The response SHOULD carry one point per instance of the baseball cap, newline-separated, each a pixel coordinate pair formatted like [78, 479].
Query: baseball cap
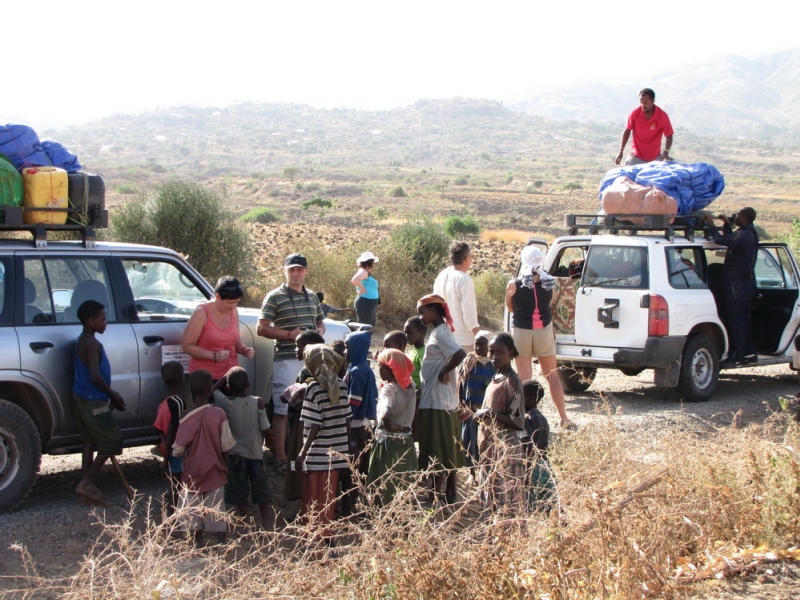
[296, 260]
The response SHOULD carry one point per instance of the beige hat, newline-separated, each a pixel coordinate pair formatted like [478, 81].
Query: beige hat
[365, 256]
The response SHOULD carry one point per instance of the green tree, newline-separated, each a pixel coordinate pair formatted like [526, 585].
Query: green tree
[290, 173]
[192, 220]
[571, 187]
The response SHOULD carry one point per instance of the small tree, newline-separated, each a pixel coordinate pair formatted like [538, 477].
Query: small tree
[571, 187]
[290, 173]
[192, 220]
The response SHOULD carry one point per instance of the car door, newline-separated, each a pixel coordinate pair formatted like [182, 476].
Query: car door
[608, 304]
[48, 332]
[162, 295]
[9, 357]
[775, 306]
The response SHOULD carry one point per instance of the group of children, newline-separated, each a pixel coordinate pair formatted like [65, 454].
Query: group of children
[461, 409]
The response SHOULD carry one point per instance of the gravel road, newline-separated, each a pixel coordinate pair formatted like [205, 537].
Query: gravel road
[58, 531]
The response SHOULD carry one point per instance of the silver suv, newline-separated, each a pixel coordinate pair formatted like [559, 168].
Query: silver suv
[149, 293]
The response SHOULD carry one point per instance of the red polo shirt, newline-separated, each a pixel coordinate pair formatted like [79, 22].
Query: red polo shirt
[647, 134]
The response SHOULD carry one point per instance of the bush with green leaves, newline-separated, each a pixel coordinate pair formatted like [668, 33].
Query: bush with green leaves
[490, 293]
[320, 202]
[262, 214]
[424, 242]
[397, 192]
[456, 226]
[461, 180]
[190, 219]
[126, 188]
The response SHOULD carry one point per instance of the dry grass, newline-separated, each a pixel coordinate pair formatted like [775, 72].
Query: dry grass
[505, 235]
[642, 515]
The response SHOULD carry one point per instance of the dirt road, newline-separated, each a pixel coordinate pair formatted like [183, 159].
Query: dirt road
[58, 531]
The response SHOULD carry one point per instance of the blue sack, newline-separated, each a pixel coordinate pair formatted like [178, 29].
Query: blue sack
[61, 157]
[21, 145]
[694, 186]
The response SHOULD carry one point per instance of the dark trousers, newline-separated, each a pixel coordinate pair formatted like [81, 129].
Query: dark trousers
[366, 309]
[737, 322]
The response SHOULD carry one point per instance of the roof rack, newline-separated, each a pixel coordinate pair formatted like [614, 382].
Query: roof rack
[669, 225]
[12, 219]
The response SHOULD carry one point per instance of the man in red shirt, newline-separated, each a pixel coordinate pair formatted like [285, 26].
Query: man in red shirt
[648, 123]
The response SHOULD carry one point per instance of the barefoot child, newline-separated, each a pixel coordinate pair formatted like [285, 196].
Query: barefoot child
[326, 434]
[294, 395]
[393, 455]
[94, 400]
[247, 474]
[501, 453]
[542, 490]
[167, 420]
[362, 392]
[439, 422]
[204, 439]
[474, 376]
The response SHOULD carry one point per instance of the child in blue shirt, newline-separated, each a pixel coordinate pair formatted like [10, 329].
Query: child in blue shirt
[474, 376]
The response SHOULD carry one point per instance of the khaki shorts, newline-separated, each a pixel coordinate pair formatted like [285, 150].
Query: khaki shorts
[535, 342]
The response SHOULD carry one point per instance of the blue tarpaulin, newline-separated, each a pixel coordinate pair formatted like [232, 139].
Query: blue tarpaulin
[61, 157]
[694, 186]
[22, 147]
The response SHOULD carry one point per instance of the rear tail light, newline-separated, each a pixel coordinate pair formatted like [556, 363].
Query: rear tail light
[657, 316]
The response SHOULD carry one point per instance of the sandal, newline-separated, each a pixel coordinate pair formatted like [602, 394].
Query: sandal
[280, 467]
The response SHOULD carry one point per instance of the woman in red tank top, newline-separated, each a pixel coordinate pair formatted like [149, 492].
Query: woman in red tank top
[211, 336]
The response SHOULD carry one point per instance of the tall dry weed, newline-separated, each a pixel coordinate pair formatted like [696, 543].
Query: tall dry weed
[642, 515]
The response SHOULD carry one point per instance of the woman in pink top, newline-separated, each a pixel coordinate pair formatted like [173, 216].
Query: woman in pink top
[211, 336]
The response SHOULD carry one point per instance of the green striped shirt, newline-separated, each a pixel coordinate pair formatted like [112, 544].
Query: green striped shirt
[287, 309]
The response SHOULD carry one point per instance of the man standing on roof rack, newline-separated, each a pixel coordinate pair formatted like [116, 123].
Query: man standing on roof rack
[740, 263]
[648, 124]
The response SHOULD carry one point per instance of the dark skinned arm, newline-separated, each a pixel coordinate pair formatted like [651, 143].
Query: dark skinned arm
[489, 415]
[312, 435]
[90, 352]
[455, 360]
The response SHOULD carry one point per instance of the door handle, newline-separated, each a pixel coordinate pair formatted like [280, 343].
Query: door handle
[153, 340]
[41, 346]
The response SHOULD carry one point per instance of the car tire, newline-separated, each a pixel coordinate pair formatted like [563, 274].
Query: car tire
[699, 372]
[20, 455]
[631, 371]
[575, 379]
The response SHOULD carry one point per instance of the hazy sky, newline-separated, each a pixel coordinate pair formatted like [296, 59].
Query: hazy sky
[72, 61]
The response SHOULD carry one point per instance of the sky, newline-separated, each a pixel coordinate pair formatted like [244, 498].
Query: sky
[76, 61]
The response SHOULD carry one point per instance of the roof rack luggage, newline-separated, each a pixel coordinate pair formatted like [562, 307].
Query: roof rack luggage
[669, 225]
[12, 219]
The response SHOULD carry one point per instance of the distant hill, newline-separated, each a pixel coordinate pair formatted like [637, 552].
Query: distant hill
[731, 97]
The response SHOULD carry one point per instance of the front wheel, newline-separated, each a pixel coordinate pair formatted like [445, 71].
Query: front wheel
[575, 379]
[20, 455]
[699, 369]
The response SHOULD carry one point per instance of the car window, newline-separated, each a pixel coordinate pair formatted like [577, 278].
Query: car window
[5, 295]
[569, 262]
[56, 287]
[161, 290]
[616, 266]
[685, 267]
[773, 269]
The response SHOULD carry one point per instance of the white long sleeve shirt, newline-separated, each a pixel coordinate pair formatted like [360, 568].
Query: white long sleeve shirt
[458, 291]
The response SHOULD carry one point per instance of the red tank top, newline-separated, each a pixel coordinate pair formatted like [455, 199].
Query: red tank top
[215, 339]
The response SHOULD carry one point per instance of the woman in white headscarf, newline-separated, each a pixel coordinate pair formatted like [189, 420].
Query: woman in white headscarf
[528, 300]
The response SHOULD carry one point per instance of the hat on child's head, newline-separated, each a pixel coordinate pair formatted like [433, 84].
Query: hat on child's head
[296, 260]
[365, 256]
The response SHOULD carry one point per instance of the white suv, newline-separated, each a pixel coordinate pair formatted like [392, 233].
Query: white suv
[636, 297]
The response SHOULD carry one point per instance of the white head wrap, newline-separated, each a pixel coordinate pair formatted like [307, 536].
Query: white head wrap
[533, 262]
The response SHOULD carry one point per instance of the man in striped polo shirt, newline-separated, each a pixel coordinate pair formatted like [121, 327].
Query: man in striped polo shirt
[287, 310]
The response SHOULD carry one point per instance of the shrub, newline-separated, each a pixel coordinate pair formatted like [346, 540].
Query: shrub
[424, 242]
[380, 212]
[490, 294]
[321, 202]
[274, 193]
[571, 187]
[262, 214]
[397, 192]
[538, 183]
[509, 177]
[192, 220]
[126, 188]
[461, 180]
[312, 187]
[299, 186]
[456, 226]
